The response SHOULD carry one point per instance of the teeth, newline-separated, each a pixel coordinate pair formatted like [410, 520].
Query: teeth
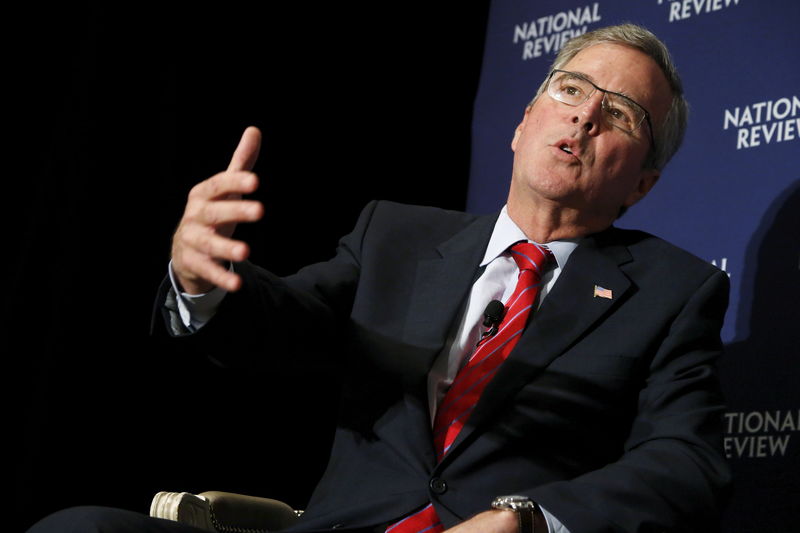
[566, 148]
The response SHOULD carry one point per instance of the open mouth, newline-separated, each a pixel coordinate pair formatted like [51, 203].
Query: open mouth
[565, 148]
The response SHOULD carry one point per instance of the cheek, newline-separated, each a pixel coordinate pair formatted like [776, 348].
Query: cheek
[621, 161]
[525, 152]
[619, 172]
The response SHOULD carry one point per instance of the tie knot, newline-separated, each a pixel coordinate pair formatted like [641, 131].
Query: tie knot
[530, 256]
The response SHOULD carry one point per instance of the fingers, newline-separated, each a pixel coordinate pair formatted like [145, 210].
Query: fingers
[196, 238]
[220, 212]
[246, 153]
[225, 185]
[202, 243]
[198, 253]
[202, 273]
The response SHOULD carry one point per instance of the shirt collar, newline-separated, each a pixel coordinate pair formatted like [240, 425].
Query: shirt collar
[506, 233]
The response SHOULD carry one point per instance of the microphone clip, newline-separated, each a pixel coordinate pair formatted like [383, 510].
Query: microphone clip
[492, 316]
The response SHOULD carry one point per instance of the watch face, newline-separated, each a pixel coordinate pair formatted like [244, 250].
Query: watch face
[514, 502]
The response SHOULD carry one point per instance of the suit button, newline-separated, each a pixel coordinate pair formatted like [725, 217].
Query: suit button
[438, 485]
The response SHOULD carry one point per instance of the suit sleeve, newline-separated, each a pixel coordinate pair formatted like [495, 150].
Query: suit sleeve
[297, 315]
[672, 475]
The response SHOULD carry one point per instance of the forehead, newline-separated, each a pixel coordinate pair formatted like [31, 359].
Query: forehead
[627, 71]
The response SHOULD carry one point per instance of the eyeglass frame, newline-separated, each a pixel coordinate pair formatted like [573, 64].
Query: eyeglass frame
[604, 91]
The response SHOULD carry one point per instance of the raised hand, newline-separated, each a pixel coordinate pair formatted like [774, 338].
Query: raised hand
[202, 244]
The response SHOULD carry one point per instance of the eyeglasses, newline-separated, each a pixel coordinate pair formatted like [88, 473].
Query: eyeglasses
[574, 89]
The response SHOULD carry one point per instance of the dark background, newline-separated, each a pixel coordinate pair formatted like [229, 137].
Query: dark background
[118, 115]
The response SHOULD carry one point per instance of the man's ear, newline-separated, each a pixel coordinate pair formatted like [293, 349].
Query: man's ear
[520, 127]
[647, 180]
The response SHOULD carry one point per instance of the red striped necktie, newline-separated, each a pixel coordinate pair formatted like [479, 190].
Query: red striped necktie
[453, 413]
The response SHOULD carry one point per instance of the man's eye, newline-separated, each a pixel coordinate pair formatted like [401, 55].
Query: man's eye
[618, 115]
[571, 90]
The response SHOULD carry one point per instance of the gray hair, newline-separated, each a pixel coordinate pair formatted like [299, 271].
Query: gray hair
[669, 134]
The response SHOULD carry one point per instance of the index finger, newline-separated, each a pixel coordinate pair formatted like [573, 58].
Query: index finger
[246, 153]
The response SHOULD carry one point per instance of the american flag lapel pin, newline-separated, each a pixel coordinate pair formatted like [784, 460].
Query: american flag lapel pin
[601, 292]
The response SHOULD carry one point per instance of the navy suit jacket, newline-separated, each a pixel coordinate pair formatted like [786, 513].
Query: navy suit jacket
[607, 412]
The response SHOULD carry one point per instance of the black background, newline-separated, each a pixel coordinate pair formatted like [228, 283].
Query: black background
[118, 115]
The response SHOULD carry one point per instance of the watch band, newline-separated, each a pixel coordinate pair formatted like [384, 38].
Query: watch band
[526, 520]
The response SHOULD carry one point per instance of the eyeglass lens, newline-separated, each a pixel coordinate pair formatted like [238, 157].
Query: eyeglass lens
[574, 90]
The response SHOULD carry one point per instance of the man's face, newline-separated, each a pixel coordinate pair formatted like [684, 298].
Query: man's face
[605, 169]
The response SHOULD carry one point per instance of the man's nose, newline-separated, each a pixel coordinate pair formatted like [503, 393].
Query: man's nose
[590, 113]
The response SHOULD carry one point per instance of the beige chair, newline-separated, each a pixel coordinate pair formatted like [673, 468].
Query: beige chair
[224, 512]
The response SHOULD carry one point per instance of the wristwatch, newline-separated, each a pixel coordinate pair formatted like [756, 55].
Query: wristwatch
[531, 519]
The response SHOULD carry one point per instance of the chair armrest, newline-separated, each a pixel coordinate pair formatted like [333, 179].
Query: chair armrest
[223, 512]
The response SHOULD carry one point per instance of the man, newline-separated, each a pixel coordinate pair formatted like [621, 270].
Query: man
[605, 416]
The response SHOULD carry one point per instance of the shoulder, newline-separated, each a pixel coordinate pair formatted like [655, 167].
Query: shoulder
[652, 258]
[422, 214]
[398, 221]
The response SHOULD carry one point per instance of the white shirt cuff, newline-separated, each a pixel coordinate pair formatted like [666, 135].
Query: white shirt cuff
[553, 524]
[196, 309]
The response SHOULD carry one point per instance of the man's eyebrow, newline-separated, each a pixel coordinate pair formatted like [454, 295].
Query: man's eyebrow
[591, 79]
[585, 75]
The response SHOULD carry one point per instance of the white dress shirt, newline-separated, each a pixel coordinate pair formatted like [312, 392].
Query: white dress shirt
[497, 282]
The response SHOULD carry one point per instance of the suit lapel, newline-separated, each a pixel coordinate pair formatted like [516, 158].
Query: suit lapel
[442, 284]
[570, 309]
[440, 287]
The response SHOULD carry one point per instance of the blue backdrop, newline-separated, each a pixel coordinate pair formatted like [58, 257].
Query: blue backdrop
[731, 196]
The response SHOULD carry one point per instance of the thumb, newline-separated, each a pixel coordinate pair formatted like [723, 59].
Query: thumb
[246, 153]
